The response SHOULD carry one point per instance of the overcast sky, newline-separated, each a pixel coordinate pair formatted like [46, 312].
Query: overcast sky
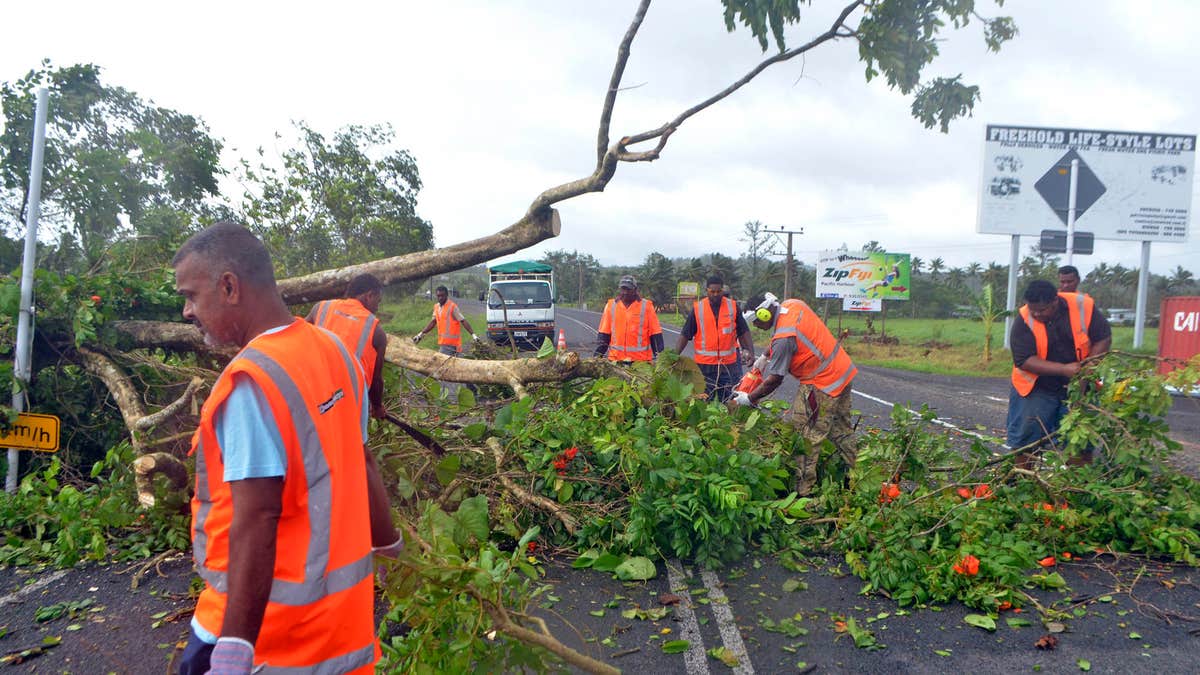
[499, 100]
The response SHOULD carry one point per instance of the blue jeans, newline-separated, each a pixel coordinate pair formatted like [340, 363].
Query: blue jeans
[1032, 417]
[720, 379]
[195, 659]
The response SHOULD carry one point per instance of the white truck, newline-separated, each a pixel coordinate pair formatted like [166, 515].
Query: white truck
[520, 301]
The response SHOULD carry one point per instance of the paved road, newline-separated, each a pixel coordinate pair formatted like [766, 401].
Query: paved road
[120, 630]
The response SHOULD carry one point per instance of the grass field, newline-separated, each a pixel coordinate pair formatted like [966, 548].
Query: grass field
[942, 346]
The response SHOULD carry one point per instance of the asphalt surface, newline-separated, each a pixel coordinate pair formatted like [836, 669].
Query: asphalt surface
[107, 625]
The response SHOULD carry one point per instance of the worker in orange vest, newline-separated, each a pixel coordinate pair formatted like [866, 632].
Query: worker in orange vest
[449, 321]
[1053, 335]
[629, 328]
[802, 345]
[289, 507]
[718, 329]
[353, 320]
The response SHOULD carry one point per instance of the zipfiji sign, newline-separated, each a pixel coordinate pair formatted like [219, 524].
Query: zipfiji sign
[863, 275]
[1134, 186]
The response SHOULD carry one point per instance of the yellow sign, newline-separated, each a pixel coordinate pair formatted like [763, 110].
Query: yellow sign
[32, 431]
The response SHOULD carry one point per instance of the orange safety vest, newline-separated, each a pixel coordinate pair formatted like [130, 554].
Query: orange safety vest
[630, 339]
[449, 328]
[716, 343]
[355, 325]
[822, 362]
[1079, 309]
[320, 616]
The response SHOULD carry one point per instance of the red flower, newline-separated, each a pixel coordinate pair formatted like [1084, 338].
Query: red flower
[1004, 605]
[96, 299]
[1048, 561]
[888, 492]
[532, 546]
[968, 566]
[983, 491]
[570, 453]
[560, 463]
[1066, 555]
[965, 493]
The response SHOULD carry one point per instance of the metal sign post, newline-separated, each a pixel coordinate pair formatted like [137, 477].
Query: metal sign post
[1139, 322]
[1010, 302]
[22, 368]
[1072, 201]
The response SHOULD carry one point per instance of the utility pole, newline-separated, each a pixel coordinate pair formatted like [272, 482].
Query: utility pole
[787, 270]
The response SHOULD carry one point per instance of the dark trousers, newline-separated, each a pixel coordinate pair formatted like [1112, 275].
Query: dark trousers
[720, 379]
[195, 656]
[1032, 417]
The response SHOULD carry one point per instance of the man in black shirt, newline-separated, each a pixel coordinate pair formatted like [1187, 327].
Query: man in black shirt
[1054, 333]
[715, 351]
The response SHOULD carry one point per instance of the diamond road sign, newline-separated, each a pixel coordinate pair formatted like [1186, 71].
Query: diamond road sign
[1055, 187]
[1132, 186]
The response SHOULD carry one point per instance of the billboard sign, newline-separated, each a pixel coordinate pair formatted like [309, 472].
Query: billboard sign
[863, 275]
[1131, 186]
[852, 305]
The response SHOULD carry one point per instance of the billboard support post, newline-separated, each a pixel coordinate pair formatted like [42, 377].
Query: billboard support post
[1010, 302]
[1072, 202]
[1139, 321]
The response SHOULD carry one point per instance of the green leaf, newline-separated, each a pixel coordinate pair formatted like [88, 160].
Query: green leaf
[1134, 635]
[586, 559]
[597, 612]
[1105, 598]
[980, 621]
[566, 492]
[546, 350]
[476, 431]
[676, 646]
[472, 517]
[794, 585]
[466, 397]
[1084, 665]
[724, 655]
[752, 420]
[636, 568]
[1017, 622]
[448, 468]
[942, 652]
[607, 562]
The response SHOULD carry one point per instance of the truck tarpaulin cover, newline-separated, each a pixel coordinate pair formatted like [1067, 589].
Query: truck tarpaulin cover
[521, 266]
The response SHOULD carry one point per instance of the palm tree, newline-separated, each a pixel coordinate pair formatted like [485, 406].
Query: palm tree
[917, 264]
[957, 276]
[936, 266]
[1180, 278]
[974, 269]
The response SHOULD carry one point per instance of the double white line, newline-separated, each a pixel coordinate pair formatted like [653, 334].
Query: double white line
[695, 659]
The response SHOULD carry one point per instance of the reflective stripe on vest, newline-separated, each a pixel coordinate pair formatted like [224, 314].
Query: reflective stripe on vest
[317, 584]
[638, 346]
[702, 309]
[336, 666]
[827, 361]
[1079, 314]
[449, 328]
[354, 325]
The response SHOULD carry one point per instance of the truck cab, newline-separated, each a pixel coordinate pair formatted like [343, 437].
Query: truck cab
[520, 301]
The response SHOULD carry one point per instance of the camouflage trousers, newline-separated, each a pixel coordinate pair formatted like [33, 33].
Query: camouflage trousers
[821, 417]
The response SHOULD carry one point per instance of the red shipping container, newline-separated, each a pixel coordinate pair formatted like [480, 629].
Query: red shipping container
[1178, 330]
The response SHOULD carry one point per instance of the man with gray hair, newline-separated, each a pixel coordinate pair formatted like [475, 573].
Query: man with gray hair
[289, 506]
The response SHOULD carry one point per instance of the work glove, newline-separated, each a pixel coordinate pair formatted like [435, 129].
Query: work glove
[474, 337]
[231, 656]
[742, 398]
[417, 338]
[391, 551]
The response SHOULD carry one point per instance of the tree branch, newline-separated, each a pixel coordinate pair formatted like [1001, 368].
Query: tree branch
[614, 82]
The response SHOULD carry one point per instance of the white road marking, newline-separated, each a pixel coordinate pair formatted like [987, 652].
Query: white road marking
[889, 404]
[695, 659]
[995, 398]
[730, 635]
[19, 595]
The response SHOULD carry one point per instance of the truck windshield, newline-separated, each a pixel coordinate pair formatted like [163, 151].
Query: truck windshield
[529, 294]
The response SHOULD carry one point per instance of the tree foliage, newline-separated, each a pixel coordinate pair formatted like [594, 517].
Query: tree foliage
[108, 152]
[336, 201]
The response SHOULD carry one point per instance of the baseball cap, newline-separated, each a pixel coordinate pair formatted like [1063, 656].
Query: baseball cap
[627, 281]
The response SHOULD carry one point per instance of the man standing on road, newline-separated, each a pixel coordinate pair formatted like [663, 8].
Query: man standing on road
[288, 502]
[1068, 279]
[719, 329]
[803, 346]
[450, 322]
[629, 328]
[1055, 333]
[353, 320]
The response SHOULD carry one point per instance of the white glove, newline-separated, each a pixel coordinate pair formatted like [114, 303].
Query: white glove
[417, 338]
[474, 337]
[742, 398]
